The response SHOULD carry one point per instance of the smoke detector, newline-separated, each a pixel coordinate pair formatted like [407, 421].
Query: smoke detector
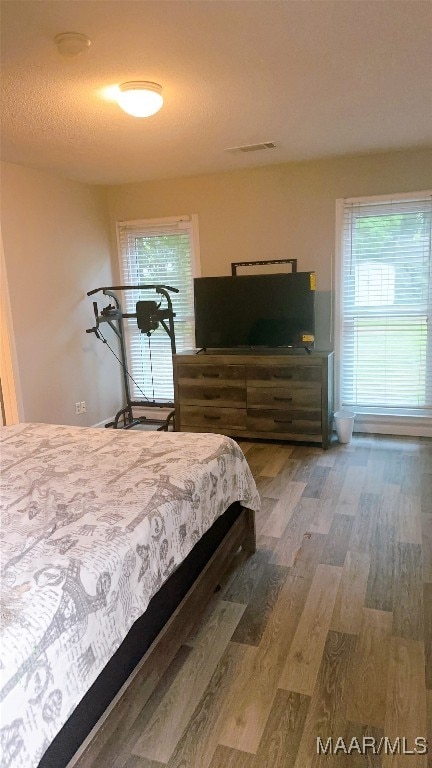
[72, 44]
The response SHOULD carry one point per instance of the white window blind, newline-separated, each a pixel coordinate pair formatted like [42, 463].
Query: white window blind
[386, 344]
[156, 254]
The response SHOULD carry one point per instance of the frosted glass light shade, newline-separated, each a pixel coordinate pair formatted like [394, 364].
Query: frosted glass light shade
[140, 99]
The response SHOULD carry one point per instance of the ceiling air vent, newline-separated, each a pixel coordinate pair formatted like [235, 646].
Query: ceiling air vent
[253, 147]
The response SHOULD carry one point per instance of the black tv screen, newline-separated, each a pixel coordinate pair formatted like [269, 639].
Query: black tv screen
[275, 310]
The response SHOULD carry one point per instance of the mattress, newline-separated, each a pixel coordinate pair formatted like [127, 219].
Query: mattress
[93, 523]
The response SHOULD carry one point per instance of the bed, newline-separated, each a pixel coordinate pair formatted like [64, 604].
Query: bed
[104, 535]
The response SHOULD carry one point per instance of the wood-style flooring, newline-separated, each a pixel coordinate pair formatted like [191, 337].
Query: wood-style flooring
[325, 631]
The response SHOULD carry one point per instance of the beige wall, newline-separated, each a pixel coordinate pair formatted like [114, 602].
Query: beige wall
[279, 211]
[56, 246]
[59, 241]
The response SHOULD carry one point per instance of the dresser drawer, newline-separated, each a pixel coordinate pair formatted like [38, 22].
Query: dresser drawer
[212, 416]
[274, 395]
[302, 375]
[221, 394]
[292, 421]
[210, 373]
[284, 398]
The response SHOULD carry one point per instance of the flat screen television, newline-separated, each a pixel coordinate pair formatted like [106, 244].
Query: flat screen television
[273, 310]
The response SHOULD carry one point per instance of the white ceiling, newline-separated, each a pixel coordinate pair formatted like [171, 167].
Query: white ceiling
[317, 77]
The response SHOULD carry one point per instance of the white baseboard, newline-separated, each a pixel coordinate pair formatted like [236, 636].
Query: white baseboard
[410, 426]
[102, 423]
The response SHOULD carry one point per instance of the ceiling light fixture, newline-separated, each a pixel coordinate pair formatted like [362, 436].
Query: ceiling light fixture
[140, 98]
[72, 44]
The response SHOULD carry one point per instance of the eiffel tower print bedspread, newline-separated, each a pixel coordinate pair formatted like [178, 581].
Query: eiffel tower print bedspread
[93, 523]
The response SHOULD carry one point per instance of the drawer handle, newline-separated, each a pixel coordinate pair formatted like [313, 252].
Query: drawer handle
[211, 375]
[211, 397]
[211, 418]
[282, 375]
[282, 421]
[283, 399]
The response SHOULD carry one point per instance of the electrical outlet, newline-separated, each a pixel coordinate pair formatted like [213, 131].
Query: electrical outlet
[77, 408]
[83, 406]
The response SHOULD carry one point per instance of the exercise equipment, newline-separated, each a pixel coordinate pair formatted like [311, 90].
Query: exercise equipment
[150, 315]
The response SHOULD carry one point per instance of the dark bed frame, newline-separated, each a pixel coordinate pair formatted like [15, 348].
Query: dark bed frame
[152, 642]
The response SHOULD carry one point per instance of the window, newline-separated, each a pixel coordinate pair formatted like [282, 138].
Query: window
[386, 306]
[157, 252]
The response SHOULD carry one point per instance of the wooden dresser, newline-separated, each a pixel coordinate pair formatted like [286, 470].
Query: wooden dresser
[279, 396]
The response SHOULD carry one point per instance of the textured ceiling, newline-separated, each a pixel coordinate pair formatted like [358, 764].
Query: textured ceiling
[318, 78]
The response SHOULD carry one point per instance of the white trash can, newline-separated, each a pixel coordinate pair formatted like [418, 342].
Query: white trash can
[344, 422]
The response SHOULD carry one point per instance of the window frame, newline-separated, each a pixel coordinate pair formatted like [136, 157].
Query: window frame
[195, 245]
[191, 219]
[373, 420]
